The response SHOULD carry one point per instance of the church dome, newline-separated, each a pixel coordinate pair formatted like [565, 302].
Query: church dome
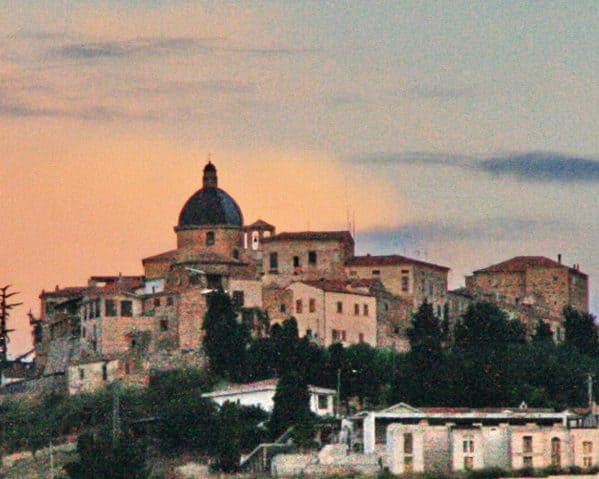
[210, 205]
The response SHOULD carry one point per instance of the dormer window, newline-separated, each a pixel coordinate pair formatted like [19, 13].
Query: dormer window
[210, 238]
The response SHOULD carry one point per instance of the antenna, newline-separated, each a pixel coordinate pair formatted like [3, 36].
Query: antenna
[354, 223]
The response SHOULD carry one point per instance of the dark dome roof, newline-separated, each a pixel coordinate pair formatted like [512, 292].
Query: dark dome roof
[210, 206]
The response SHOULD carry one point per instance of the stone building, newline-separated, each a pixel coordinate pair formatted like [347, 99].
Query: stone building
[154, 321]
[528, 288]
[445, 439]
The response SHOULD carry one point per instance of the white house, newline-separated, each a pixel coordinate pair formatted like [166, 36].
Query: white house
[261, 393]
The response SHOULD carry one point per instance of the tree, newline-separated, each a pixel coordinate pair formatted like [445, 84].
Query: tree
[425, 334]
[291, 404]
[486, 326]
[543, 332]
[581, 331]
[226, 339]
[228, 441]
[186, 424]
[102, 456]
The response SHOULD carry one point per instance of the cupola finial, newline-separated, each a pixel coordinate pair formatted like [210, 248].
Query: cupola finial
[210, 179]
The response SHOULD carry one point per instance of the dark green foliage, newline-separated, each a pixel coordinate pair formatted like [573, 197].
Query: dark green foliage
[425, 334]
[581, 331]
[225, 340]
[184, 423]
[486, 327]
[291, 404]
[542, 332]
[103, 457]
[228, 440]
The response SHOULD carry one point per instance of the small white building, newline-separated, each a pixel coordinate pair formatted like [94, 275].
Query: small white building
[261, 393]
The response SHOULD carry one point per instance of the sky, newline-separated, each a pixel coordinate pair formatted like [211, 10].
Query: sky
[462, 133]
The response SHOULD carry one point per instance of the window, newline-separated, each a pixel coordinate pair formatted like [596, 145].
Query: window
[365, 310]
[361, 337]
[556, 452]
[126, 308]
[323, 401]
[527, 444]
[81, 374]
[169, 301]
[408, 464]
[587, 447]
[235, 253]
[376, 272]
[339, 335]
[98, 307]
[274, 261]
[339, 307]
[83, 332]
[439, 311]
[299, 306]
[587, 462]
[210, 238]
[308, 333]
[238, 299]
[312, 257]
[164, 325]
[405, 280]
[312, 305]
[468, 462]
[296, 262]
[468, 445]
[156, 301]
[282, 308]
[353, 273]
[356, 309]
[527, 462]
[214, 281]
[104, 372]
[408, 443]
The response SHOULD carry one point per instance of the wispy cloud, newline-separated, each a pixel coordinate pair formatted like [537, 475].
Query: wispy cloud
[531, 166]
[502, 229]
[438, 92]
[165, 46]
[538, 166]
[88, 113]
[194, 87]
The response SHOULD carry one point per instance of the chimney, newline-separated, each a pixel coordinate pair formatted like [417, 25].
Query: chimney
[559, 258]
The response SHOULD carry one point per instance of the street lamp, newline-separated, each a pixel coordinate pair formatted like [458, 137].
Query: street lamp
[353, 371]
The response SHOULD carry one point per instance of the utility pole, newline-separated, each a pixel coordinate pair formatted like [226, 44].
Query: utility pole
[590, 391]
[5, 308]
[116, 413]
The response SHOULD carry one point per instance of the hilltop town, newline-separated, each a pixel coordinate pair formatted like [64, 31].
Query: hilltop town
[307, 300]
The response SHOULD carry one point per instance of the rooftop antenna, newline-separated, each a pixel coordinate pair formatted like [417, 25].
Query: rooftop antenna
[354, 223]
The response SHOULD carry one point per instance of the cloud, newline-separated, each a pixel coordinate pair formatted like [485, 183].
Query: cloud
[88, 113]
[531, 166]
[412, 158]
[186, 87]
[539, 166]
[133, 47]
[497, 229]
[437, 92]
[148, 46]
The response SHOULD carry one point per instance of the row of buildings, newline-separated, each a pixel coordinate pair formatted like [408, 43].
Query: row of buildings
[126, 326]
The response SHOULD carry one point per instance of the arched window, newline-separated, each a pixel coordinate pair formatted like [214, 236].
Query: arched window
[210, 238]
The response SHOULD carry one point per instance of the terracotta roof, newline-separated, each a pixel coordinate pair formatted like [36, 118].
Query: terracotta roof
[390, 260]
[161, 256]
[520, 264]
[312, 236]
[260, 224]
[333, 287]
